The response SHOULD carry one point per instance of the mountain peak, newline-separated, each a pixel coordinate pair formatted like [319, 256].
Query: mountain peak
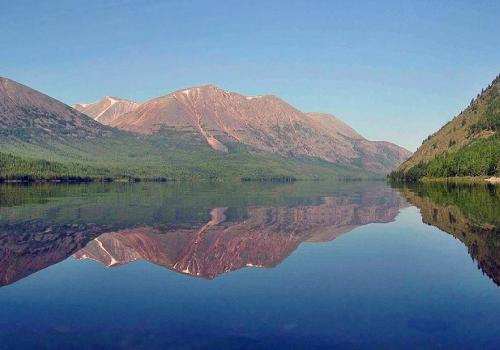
[266, 123]
[107, 109]
[200, 89]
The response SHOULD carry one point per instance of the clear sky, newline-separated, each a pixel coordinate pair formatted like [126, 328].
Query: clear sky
[394, 70]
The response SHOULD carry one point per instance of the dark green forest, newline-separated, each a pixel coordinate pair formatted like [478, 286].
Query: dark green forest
[159, 158]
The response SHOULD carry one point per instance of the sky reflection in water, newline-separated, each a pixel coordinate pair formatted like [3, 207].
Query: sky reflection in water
[248, 266]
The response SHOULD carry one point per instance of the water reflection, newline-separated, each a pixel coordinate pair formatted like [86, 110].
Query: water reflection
[471, 213]
[263, 238]
[182, 234]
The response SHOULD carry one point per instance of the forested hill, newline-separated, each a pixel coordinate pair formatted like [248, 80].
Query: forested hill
[468, 145]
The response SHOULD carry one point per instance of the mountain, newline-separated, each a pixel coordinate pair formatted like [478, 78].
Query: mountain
[26, 113]
[106, 110]
[198, 133]
[265, 123]
[44, 139]
[468, 145]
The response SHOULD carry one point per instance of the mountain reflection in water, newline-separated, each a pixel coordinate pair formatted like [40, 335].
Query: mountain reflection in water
[205, 232]
[471, 213]
[33, 237]
[263, 239]
[249, 266]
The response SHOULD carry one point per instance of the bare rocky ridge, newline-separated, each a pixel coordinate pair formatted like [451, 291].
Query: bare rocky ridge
[266, 123]
[107, 110]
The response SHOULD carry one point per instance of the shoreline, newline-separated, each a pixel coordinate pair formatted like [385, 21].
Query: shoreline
[91, 180]
[495, 180]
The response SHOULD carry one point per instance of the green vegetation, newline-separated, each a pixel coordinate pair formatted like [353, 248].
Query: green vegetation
[131, 204]
[469, 145]
[479, 158]
[491, 117]
[479, 203]
[164, 157]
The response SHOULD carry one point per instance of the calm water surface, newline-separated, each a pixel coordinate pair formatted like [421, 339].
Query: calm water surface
[249, 266]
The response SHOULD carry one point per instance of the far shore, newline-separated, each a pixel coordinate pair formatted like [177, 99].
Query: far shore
[464, 179]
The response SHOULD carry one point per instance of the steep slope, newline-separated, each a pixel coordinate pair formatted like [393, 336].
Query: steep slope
[266, 123]
[26, 113]
[106, 110]
[468, 145]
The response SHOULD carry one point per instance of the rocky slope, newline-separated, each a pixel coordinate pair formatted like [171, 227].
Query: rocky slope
[107, 110]
[266, 123]
[26, 113]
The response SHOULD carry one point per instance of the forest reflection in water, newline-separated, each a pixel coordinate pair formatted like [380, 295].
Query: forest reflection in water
[469, 212]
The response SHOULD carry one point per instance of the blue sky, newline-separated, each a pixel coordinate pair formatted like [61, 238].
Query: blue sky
[394, 70]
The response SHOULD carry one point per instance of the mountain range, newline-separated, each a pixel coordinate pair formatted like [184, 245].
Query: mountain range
[266, 123]
[203, 131]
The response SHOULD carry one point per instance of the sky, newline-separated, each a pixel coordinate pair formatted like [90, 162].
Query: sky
[393, 70]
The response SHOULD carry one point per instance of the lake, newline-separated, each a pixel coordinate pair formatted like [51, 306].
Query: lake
[305, 265]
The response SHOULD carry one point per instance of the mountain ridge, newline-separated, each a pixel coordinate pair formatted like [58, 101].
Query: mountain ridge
[193, 134]
[264, 122]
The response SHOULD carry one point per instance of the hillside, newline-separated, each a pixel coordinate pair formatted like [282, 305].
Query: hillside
[27, 114]
[468, 145]
[265, 123]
